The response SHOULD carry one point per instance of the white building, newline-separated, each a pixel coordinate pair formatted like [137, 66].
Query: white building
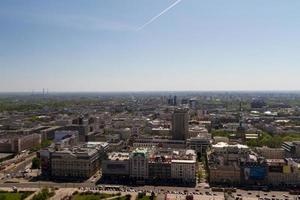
[184, 169]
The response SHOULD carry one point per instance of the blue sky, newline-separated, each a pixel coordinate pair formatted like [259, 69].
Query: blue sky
[72, 45]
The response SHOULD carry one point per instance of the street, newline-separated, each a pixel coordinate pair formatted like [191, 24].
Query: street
[173, 192]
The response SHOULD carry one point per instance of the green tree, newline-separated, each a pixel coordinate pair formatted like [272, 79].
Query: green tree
[43, 194]
[36, 163]
[2, 197]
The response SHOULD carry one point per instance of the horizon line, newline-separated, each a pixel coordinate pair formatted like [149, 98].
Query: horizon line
[142, 91]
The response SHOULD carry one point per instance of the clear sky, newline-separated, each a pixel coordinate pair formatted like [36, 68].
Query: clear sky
[102, 45]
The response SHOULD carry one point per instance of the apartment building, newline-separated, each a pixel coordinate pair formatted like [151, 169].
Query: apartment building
[18, 142]
[184, 166]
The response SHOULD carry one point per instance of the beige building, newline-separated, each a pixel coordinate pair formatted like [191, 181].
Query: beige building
[17, 143]
[271, 153]
[224, 161]
[283, 172]
[225, 174]
[198, 130]
[184, 167]
[218, 139]
[152, 142]
[78, 162]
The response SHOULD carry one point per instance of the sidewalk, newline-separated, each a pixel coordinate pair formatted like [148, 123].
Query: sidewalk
[61, 193]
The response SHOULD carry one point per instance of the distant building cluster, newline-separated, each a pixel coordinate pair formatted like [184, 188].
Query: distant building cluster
[241, 139]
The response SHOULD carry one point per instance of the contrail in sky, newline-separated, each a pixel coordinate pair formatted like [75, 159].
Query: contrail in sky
[158, 15]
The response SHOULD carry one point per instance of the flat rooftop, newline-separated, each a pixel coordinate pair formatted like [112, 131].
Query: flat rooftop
[118, 156]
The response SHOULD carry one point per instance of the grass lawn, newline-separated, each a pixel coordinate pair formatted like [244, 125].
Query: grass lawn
[144, 198]
[92, 196]
[120, 198]
[14, 195]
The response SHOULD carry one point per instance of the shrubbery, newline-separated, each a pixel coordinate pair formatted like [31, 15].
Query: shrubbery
[44, 194]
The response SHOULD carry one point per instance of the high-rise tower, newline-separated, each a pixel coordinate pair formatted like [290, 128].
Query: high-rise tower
[180, 124]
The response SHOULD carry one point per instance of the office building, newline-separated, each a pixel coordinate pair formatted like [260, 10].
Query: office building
[16, 143]
[116, 166]
[292, 149]
[200, 144]
[180, 124]
[79, 162]
[184, 166]
[139, 159]
[224, 163]
[168, 165]
[283, 172]
[271, 153]
[160, 167]
[75, 163]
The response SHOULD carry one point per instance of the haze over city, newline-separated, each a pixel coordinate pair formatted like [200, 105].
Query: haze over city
[144, 45]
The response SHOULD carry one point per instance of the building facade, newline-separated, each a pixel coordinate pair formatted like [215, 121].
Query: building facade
[116, 166]
[180, 124]
[139, 159]
[199, 144]
[18, 143]
[78, 163]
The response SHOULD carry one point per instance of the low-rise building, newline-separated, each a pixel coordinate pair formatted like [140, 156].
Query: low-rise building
[200, 144]
[230, 164]
[271, 153]
[79, 162]
[283, 172]
[152, 142]
[19, 142]
[292, 149]
[116, 165]
[196, 130]
[218, 139]
[184, 166]
[225, 174]
[160, 168]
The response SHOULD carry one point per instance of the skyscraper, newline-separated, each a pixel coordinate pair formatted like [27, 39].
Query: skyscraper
[180, 124]
[175, 100]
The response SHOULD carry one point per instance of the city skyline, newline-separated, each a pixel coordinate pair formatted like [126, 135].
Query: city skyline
[138, 45]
